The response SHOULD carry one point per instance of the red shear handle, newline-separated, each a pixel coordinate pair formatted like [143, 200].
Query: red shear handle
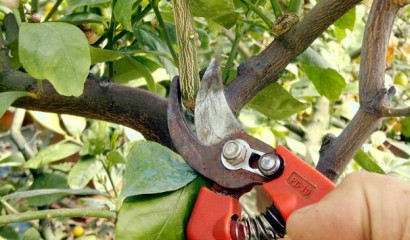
[211, 217]
[299, 185]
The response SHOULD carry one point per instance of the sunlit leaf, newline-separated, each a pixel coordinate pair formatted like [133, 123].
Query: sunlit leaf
[123, 11]
[82, 172]
[13, 160]
[48, 120]
[82, 17]
[164, 215]
[73, 4]
[327, 81]
[153, 168]
[32, 234]
[74, 125]
[57, 52]
[47, 181]
[51, 154]
[347, 21]
[99, 55]
[367, 162]
[115, 157]
[276, 103]
[222, 12]
[7, 98]
[145, 72]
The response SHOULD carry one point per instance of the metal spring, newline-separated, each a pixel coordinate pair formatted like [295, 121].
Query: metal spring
[263, 227]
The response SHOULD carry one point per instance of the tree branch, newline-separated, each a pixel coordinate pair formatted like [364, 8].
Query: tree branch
[259, 71]
[374, 97]
[131, 107]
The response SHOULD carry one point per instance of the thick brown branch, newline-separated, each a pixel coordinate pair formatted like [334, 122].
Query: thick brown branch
[135, 108]
[267, 67]
[373, 96]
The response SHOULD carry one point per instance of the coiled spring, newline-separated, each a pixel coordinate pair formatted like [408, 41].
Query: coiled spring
[268, 225]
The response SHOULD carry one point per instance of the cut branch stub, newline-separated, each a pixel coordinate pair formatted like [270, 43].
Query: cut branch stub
[188, 65]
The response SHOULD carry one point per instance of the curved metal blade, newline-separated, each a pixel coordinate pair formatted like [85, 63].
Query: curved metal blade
[214, 119]
[207, 159]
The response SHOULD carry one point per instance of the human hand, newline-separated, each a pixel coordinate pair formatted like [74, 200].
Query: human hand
[363, 206]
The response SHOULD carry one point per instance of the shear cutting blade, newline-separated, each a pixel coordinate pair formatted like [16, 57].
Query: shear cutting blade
[214, 120]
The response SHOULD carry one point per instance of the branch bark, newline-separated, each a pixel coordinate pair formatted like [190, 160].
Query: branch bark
[131, 107]
[259, 71]
[374, 98]
[146, 112]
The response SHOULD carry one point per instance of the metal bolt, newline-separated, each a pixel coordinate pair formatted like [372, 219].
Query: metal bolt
[233, 151]
[269, 164]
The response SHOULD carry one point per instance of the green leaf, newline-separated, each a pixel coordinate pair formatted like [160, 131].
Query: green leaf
[405, 126]
[57, 52]
[103, 55]
[48, 120]
[32, 234]
[13, 160]
[347, 21]
[7, 98]
[82, 17]
[222, 12]
[145, 72]
[8, 233]
[74, 125]
[82, 172]
[123, 11]
[327, 81]
[73, 4]
[153, 168]
[149, 40]
[276, 103]
[164, 215]
[51, 154]
[48, 181]
[115, 157]
[367, 162]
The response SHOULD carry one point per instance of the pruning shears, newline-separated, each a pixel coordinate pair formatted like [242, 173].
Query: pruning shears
[223, 152]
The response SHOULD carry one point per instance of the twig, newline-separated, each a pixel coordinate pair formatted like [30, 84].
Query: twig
[277, 10]
[56, 213]
[256, 10]
[7, 206]
[164, 32]
[234, 50]
[17, 137]
[243, 49]
[396, 112]
[53, 10]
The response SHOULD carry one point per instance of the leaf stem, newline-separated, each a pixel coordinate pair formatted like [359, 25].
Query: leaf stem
[234, 50]
[56, 213]
[277, 10]
[7, 206]
[135, 20]
[256, 10]
[295, 6]
[53, 10]
[34, 6]
[110, 44]
[164, 33]
[107, 170]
